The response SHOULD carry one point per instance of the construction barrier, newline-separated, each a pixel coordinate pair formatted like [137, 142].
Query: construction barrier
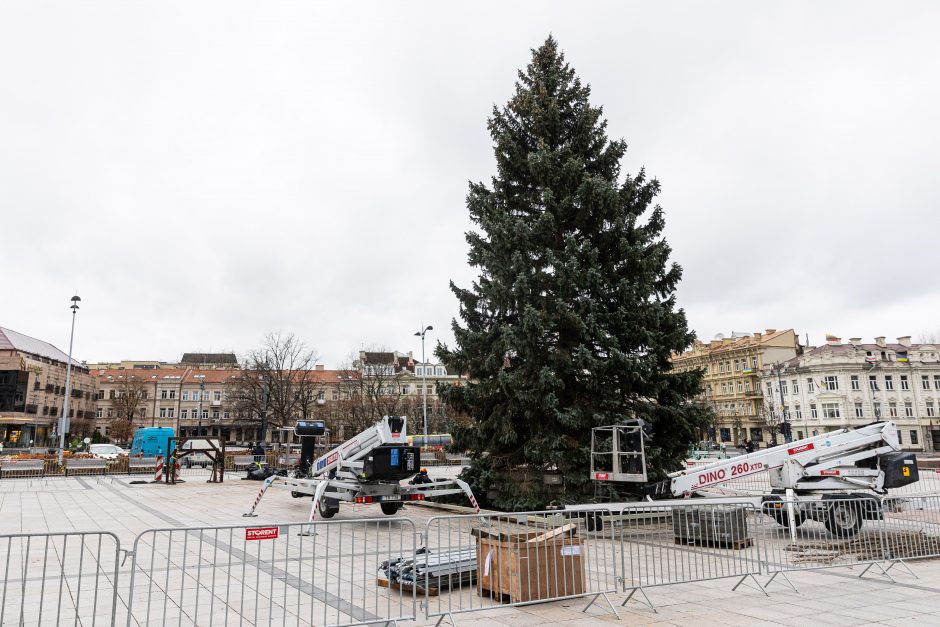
[664, 545]
[58, 578]
[911, 529]
[843, 532]
[479, 562]
[322, 573]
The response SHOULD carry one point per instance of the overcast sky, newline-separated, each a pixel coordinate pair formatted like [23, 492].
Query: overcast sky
[204, 172]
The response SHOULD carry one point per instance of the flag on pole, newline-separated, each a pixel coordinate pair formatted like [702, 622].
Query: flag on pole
[871, 359]
[901, 359]
[832, 339]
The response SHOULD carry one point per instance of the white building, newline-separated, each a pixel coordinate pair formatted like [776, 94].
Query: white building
[838, 385]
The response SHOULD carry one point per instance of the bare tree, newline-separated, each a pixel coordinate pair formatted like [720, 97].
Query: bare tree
[368, 392]
[130, 394]
[929, 337]
[277, 379]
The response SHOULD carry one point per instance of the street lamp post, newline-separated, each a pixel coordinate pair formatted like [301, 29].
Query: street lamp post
[68, 380]
[424, 379]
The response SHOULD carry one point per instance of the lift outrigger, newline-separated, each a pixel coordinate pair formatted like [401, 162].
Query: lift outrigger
[368, 468]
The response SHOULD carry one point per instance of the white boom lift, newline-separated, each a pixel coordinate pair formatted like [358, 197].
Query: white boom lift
[814, 473]
[368, 468]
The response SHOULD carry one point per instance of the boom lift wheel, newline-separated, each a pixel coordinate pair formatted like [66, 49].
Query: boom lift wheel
[844, 518]
[328, 507]
[390, 509]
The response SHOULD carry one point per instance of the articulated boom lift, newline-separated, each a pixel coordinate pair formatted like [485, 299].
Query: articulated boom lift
[816, 476]
[368, 468]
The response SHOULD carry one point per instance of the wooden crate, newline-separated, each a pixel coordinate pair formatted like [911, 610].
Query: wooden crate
[523, 567]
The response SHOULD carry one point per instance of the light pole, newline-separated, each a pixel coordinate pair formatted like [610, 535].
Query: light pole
[68, 379]
[424, 379]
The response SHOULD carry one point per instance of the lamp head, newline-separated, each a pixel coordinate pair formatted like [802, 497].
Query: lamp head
[75, 301]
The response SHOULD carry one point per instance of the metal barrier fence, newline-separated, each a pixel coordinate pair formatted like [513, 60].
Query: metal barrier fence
[841, 532]
[321, 573]
[670, 544]
[911, 529]
[480, 562]
[57, 578]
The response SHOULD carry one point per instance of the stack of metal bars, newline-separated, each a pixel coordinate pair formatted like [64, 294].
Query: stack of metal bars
[429, 570]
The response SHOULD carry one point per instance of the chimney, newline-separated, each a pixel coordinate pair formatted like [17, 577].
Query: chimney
[726, 341]
[880, 341]
[904, 340]
[318, 367]
[855, 341]
[770, 331]
[757, 335]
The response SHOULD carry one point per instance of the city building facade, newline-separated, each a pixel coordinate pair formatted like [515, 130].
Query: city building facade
[731, 382]
[33, 391]
[851, 384]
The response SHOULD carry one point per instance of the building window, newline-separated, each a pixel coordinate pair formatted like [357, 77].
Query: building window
[747, 385]
[858, 410]
[740, 387]
[893, 410]
[205, 414]
[215, 414]
[904, 383]
[172, 393]
[930, 409]
[184, 414]
[855, 382]
[783, 387]
[420, 371]
[900, 437]
[798, 413]
[110, 412]
[909, 410]
[812, 410]
[430, 389]
[936, 382]
[98, 413]
[925, 382]
[810, 386]
[877, 410]
[770, 389]
[225, 414]
[831, 383]
[217, 395]
[737, 366]
[169, 412]
[101, 392]
[321, 395]
[111, 394]
[163, 412]
[913, 437]
[796, 386]
[830, 410]
[185, 395]
[889, 382]
[143, 412]
[163, 394]
[335, 395]
[205, 395]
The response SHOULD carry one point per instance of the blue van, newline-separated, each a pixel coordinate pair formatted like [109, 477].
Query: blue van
[151, 442]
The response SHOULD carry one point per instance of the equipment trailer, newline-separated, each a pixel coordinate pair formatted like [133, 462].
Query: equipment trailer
[816, 478]
[366, 469]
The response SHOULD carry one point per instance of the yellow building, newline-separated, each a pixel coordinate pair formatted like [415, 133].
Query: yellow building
[731, 384]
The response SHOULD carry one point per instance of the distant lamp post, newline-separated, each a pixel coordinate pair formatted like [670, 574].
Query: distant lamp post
[68, 380]
[424, 379]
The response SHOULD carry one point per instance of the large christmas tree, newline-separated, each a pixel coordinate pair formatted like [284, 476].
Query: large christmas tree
[573, 318]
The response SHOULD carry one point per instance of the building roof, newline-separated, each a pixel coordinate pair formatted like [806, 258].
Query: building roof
[11, 340]
[736, 342]
[219, 359]
[192, 376]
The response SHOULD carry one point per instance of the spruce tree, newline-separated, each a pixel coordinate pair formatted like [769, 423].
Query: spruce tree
[573, 318]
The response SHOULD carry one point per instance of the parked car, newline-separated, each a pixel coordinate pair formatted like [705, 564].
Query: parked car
[106, 451]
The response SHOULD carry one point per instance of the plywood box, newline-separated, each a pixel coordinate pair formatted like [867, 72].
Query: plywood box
[532, 566]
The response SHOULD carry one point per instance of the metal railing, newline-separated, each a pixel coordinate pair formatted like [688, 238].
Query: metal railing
[59, 578]
[670, 544]
[481, 562]
[321, 573]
